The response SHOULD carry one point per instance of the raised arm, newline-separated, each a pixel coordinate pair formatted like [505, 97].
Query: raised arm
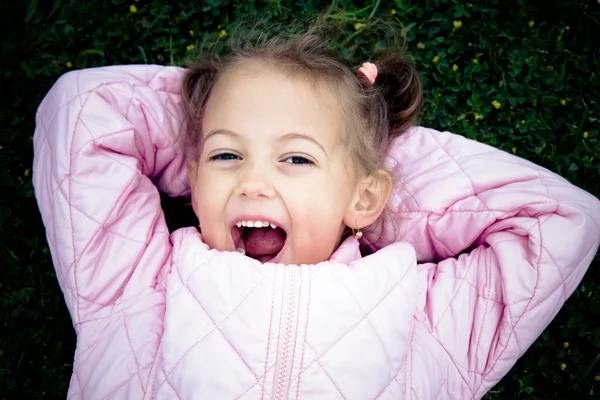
[505, 242]
[104, 138]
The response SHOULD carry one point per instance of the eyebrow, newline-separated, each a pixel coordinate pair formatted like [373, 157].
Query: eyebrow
[220, 132]
[283, 138]
[293, 136]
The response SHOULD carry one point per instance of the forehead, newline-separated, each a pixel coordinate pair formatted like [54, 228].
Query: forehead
[255, 97]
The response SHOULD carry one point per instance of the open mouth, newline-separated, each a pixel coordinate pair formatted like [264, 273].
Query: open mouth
[261, 241]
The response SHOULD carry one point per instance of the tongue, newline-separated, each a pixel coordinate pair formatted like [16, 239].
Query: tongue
[264, 241]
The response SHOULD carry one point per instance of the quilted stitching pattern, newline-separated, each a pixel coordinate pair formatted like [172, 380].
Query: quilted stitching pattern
[95, 224]
[514, 228]
[157, 323]
[315, 357]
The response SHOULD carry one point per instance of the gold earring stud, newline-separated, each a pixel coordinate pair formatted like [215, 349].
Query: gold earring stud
[357, 234]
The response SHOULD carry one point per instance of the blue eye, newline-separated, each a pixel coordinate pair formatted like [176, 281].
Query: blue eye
[298, 160]
[224, 157]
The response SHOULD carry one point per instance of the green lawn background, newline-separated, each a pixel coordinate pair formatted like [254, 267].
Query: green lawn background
[514, 74]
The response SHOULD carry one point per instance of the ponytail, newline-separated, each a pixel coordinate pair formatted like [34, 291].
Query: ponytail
[398, 94]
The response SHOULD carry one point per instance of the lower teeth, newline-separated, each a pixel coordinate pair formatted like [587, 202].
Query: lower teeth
[241, 251]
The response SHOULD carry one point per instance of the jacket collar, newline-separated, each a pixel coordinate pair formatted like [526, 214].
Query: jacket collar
[347, 252]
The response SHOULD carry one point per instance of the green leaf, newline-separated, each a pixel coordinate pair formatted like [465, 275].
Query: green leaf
[99, 52]
[30, 10]
[573, 167]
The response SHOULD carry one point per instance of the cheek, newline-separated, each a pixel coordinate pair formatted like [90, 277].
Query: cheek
[209, 205]
[209, 197]
[316, 239]
[322, 197]
[317, 214]
[211, 183]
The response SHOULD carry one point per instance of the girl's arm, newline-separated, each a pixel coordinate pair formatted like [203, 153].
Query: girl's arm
[104, 138]
[505, 242]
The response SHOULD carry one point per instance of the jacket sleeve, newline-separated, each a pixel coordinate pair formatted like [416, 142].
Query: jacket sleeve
[104, 138]
[504, 243]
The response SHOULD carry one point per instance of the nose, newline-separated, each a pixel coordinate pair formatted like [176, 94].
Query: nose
[255, 182]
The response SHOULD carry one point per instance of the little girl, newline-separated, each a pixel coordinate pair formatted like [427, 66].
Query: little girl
[304, 283]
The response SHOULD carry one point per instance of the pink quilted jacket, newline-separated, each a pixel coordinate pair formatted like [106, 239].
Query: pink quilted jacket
[501, 244]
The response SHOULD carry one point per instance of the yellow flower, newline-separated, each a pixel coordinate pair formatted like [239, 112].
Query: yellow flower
[420, 45]
[478, 117]
[190, 47]
[393, 12]
[191, 32]
[26, 173]
[531, 23]
[470, 44]
[222, 34]
[523, 122]
[496, 104]
[597, 378]
[563, 102]
[585, 134]
[566, 344]
[1, 147]
[469, 5]
[563, 366]
[514, 150]
[455, 68]
[132, 9]
[475, 61]
[457, 24]
[435, 59]
[68, 64]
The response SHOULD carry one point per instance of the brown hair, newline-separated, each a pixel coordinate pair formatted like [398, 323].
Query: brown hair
[375, 113]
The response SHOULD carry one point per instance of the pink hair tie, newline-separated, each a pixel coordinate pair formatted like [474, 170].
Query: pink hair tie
[369, 70]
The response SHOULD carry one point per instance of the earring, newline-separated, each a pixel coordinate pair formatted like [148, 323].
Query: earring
[356, 234]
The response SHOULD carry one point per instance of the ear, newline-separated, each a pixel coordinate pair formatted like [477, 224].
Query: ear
[192, 172]
[368, 202]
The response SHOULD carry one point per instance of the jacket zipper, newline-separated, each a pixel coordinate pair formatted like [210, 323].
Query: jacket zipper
[283, 365]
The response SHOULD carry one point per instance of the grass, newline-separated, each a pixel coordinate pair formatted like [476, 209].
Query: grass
[512, 74]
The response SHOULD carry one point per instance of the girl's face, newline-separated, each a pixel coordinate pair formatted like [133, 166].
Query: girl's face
[272, 152]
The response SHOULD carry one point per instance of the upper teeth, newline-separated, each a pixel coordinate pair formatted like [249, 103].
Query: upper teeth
[256, 224]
